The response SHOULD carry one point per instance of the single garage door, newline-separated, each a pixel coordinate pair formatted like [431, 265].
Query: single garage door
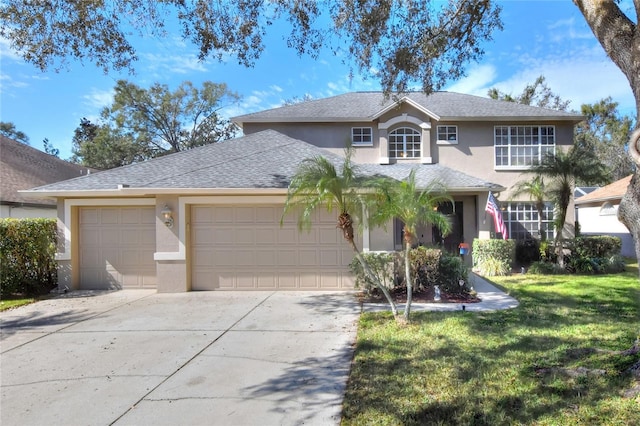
[244, 248]
[116, 247]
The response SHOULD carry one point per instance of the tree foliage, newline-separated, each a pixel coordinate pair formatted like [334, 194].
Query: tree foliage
[536, 94]
[147, 123]
[607, 133]
[564, 169]
[413, 206]
[318, 183]
[398, 41]
[9, 130]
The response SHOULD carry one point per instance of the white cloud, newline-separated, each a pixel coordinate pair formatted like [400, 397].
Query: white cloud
[99, 98]
[6, 52]
[477, 81]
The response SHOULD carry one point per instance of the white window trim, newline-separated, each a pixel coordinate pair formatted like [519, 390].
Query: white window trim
[354, 143]
[518, 167]
[405, 142]
[449, 142]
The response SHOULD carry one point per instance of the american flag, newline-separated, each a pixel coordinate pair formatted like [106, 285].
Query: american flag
[494, 210]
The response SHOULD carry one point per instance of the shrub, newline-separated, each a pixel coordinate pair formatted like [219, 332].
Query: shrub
[27, 256]
[527, 251]
[452, 271]
[424, 266]
[597, 246]
[432, 266]
[616, 264]
[382, 266]
[544, 268]
[493, 257]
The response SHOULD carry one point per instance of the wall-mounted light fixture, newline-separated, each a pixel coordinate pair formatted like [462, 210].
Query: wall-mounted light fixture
[167, 216]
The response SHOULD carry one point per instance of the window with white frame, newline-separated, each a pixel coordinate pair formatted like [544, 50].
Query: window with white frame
[522, 221]
[404, 142]
[448, 134]
[522, 146]
[362, 136]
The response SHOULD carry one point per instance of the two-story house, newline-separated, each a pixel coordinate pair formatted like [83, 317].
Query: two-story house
[210, 218]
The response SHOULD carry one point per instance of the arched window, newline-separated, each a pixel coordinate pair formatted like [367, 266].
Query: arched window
[404, 142]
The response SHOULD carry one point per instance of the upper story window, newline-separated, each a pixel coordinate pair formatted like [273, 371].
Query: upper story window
[361, 136]
[522, 146]
[404, 143]
[448, 134]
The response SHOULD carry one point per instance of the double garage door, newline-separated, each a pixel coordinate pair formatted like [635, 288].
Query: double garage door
[245, 248]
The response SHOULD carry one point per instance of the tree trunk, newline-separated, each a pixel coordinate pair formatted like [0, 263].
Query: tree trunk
[629, 211]
[620, 38]
[407, 308]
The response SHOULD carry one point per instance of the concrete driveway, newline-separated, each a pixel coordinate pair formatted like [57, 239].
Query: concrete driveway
[136, 357]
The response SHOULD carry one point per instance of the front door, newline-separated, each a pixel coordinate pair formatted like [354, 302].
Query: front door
[452, 240]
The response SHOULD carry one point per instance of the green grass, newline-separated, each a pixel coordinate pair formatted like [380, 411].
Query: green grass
[15, 302]
[508, 367]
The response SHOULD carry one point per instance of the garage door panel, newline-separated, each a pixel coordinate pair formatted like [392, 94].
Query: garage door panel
[308, 281]
[116, 247]
[287, 236]
[89, 216]
[109, 216]
[201, 214]
[267, 215]
[308, 237]
[265, 258]
[265, 236]
[329, 258]
[245, 215]
[308, 257]
[287, 257]
[245, 236]
[223, 236]
[328, 236]
[223, 215]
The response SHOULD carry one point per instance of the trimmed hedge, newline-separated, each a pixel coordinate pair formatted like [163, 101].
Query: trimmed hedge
[603, 246]
[493, 257]
[27, 256]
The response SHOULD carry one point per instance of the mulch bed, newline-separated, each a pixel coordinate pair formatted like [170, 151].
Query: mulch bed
[419, 296]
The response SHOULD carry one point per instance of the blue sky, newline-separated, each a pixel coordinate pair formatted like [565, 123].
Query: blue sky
[541, 37]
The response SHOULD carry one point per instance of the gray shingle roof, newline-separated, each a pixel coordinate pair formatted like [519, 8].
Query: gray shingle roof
[358, 106]
[266, 159]
[23, 167]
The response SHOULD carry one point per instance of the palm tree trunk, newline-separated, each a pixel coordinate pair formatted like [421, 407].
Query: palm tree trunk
[407, 309]
[374, 279]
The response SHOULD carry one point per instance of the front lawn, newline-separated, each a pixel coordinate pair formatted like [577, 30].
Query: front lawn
[556, 359]
[14, 302]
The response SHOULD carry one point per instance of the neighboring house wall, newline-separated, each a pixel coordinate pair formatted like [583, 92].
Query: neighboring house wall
[602, 219]
[7, 211]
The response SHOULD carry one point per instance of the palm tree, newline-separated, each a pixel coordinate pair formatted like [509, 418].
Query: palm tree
[413, 206]
[535, 189]
[565, 169]
[319, 184]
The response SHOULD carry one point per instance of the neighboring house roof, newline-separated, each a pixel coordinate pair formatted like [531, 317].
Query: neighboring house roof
[23, 167]
[443, 106]
[262, 160]
[613, 191]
